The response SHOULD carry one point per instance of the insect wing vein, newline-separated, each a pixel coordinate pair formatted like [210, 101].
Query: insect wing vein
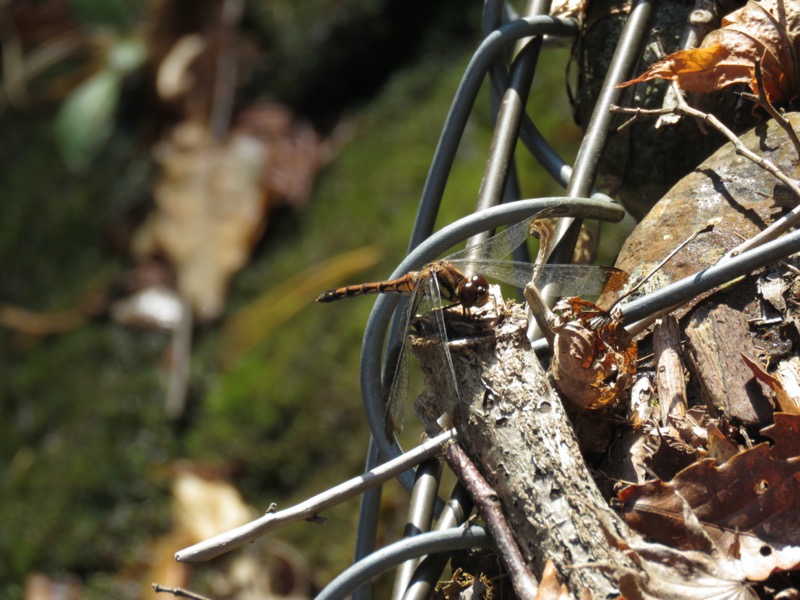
[446, 359]
[498, 246]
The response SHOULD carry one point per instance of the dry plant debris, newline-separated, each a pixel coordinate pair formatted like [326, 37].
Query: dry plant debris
[591, 365]
[746, 507]
[213, 196]
[665, 573]
[765, 31]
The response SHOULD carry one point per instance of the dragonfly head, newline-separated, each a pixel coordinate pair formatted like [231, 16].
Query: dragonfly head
[473, 291]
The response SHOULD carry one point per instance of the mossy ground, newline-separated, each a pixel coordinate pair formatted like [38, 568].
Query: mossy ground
[85, 443]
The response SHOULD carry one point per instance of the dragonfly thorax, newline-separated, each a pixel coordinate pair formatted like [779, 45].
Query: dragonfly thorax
[473, 291]
[455, 286]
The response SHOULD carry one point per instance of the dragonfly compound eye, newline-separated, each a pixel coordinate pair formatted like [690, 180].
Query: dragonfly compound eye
[474, 291]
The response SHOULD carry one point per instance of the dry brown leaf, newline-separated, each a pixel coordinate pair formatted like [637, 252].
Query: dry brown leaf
[720, 448]
[668, 574]
[747, 507]
[786, 428]
[786, 402]
[549, 587]
[765, 31]
[591, 365]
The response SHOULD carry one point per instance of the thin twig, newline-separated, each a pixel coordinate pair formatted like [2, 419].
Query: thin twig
[230, 540]
[178, 592]
[226, 69]
[706, 228]
[762, 100]
[780, 226]
[486, 501]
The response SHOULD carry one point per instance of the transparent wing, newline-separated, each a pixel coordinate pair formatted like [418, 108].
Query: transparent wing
[426, 297]
[395, 401]
[563, 280]
[498, 246]
[445, 360]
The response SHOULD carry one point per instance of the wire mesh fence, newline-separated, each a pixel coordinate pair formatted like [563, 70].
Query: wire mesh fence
[499, 203]
[505, 60]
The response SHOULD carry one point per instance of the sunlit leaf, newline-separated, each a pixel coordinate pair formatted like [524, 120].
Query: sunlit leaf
[765, 31]
[747, 507]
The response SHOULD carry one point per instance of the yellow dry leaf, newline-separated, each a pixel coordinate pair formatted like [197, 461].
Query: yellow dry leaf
[210, 209]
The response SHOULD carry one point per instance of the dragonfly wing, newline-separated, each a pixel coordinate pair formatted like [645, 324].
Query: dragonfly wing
[498, 246]
[581, 280]
[395, 401]
[515, 273]
[426, 296]
[562, 280]
[445, 359]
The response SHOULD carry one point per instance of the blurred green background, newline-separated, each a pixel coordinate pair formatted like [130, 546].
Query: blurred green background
[89, 456]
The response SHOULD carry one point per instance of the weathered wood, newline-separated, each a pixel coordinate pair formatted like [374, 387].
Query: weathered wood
[716, 338]
[513, 426]
[669, 370]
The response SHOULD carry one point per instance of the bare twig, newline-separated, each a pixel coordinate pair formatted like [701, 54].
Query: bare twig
[180, 359]
[762, 100]
[230, 540]
[488, 505]
[178, 592]
[227, 63]
[778, 227]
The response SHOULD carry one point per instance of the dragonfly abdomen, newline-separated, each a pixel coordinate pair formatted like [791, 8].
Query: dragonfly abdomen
[402, 285]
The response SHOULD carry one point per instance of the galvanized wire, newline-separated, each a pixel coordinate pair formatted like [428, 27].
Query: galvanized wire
[424, 247]
[489, 51]
[430, 568]
[371, 381]
[376, 563]
[486, 58]
[372, 387]
[594, 141]
[420, 516]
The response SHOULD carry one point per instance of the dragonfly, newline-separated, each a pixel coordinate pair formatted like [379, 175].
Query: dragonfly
[461, 279]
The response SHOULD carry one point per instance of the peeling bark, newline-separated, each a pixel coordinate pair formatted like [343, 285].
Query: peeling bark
[514, 427]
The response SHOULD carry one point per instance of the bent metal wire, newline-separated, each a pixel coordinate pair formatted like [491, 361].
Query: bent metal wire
[502, 29]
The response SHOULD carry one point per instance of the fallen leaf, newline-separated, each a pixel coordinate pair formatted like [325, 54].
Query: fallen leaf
[786, 402]
[591, 365]
[549, 587]
[211, 209]
[786, 429]
[669, 574]
[720, 448]
[666, 573]
[748, 507]
[765, 31]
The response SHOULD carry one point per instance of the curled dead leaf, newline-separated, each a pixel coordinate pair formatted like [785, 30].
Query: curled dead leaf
[764, 30]
[591, 365]
[666, 573]
[786, 402]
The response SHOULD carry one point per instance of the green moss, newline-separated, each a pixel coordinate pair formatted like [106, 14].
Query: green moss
[84, 432]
